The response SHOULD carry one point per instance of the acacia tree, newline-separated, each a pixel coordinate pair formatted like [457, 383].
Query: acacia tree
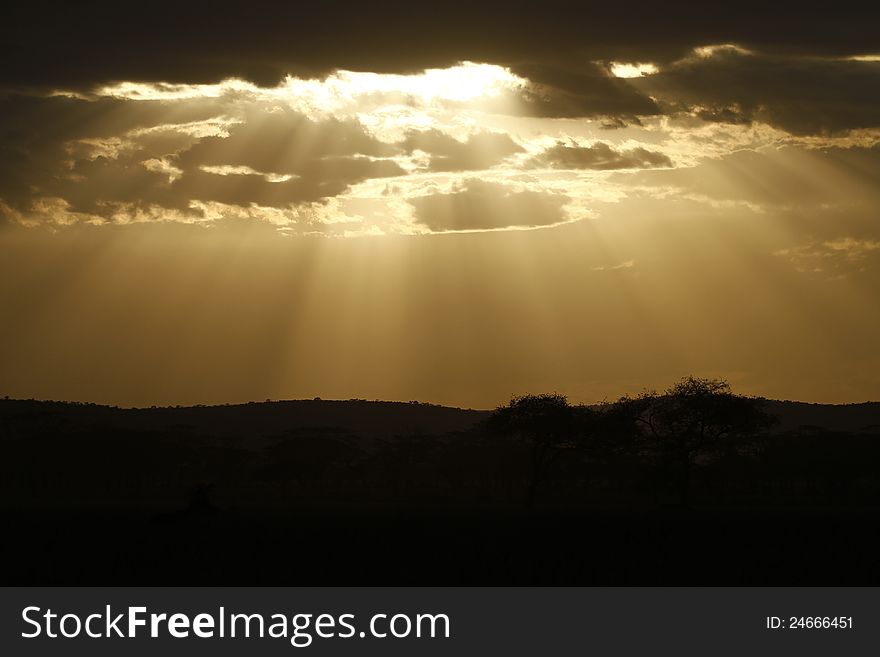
[546, 424]
[692, 420]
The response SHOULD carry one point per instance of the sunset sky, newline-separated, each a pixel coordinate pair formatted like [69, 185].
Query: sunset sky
[447, 202]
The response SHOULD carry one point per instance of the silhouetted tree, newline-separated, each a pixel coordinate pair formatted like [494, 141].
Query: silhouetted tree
[545, 424]
[692, 420]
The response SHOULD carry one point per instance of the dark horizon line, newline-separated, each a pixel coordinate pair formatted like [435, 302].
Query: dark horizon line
[251, 402]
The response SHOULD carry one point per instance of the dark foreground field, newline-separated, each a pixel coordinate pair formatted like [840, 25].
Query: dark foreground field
[421, 547]
[383, 494]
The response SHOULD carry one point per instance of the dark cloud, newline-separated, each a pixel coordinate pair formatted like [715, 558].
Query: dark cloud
[98, 155]
[95, 186]
[732, 115]
[481, 205]
[616, 122]
[563, 91]
[802, 95]
[779, 178]
[479, 151]
[563, 48]
[101, 183]
[36, 134]
[323, 159]
[557, 45]
[327, 177]
[284, 142]
[79, 44]
[598, 156]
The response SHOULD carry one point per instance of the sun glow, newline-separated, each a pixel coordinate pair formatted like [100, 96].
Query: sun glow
[462, 83]
[467, 81]
[632, 70]
[873, 57]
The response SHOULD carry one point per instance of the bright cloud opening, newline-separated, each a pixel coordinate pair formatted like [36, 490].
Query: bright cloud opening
[633, 70]
[464, 82]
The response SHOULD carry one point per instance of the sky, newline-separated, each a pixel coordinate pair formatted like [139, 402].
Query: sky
[446, 202]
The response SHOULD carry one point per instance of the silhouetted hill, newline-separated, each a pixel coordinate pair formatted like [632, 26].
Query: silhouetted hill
[853, 418]
[361, 417]
[249, 493]
[255, 419]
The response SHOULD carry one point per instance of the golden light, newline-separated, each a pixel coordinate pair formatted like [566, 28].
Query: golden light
[632, 70]
[714, 49]
[465, 82]
[240, 170]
